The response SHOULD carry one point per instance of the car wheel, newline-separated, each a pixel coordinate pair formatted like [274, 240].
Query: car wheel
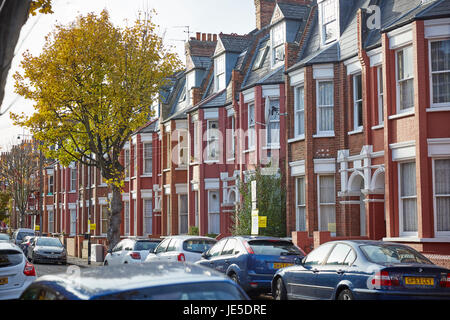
[234, 277]
[346, 294]
[280, 290]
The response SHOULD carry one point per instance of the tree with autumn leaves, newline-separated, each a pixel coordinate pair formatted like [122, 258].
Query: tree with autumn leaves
[93, 85]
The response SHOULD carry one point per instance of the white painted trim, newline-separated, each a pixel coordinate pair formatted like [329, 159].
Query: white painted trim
[400, 37]
[323, 72]
[181, 188]
[437, 28]
[211, 114]
[297, 77]
[438, 147]
[212, 184]
[249, 95]
[166, 189]
[146, 137]
[146, 193]
[325, 166]
[417, 239]
[402, 151]
[400, 208]
[297, 168]
[376, 57]
[271, 91]
[296, 139]
[353, 66]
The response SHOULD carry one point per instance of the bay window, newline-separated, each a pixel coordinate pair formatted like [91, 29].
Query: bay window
[380, 95]
[104, 219]
[213, 212]
[126, 217]
[148, 157]
[273, 122]
[440, 72]
[126, 163]
[299, 117]
[442, 196]
[325, 107]
[408, 199]
[300, 203]
[148, 216]
[405, 79]
[327, 204]
[357, 103]
[213, 140]
[251, 126]
[183, 214]
[73, 222]
[51, 221]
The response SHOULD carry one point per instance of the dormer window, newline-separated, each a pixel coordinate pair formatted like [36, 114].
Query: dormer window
[328, 13]
[259, 60]
[190, 83]
[219, 73]
[278, 36]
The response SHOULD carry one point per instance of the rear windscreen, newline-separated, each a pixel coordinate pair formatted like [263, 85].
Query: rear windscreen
[9, 258]
[274, 247]
[21, 235]
[390, 254]
[145, 245]
[198, 245]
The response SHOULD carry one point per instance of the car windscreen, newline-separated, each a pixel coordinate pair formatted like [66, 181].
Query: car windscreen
[189, 291]
[9, 258]
[21, 235]
[198, 245]
[392, 254]
[274, 247]
[48, 242]
[145, 245]
[4, 236]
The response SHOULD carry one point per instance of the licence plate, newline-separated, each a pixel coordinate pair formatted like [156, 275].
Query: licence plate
[3, 281]
[279, 265]
[419, 281]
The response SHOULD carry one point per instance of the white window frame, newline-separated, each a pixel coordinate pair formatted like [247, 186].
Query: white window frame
[271, 144]
[276, 46]
[212, 136]
[126, 163]
[51, 222]
[73, 222]
[220, 73]
[233, 142]
[432, 104]
[356, 126]
[147, 216]
[319, 204]
[436, 232]
[186, 214]
[51, 186]
[196, 141]
[380, 94]
[298, 205]
[190, 83]
[299, 111]
[126, 218]
[319, 132]
[213, 212]
[403, 233]
[251, 144]
[73, 179]
[147, 157]
[323, 24]
[397, 81]
[103, 232]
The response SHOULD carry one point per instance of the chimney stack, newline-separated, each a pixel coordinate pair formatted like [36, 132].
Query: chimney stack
[264, 11]
[198, 34]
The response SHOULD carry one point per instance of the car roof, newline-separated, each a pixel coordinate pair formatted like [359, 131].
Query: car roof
[25, 230]
[260, 238]
[103, 280]
[9, 246]
[366, 242]
[186, 237]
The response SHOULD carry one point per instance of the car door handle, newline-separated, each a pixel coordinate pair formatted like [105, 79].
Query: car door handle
[227, 261]
[340, 271]
[315, 270]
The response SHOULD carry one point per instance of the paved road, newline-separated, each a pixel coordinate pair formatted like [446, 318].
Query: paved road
[44, 269]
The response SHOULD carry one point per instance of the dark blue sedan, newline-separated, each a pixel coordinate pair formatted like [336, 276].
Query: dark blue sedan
[251, 261]
[347, 270]
[149, 281]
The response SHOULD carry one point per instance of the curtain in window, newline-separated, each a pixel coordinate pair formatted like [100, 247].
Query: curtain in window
[126, 214]
[183, 214]
[148, 152]
[104, 219]
[273, 121]
[325, 105]
[148, 216]
[251, 126]
[73, 222]
[408, 196]
[442, 193]
[440, 68]
[300, 212]
[51, 222]
[300, 111]
[327, 204]
[405, 74]
[214, 212]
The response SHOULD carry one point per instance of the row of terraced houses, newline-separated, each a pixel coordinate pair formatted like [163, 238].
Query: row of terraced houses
[349, 100]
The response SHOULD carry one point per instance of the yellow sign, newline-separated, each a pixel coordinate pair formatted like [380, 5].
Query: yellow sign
[262, 223]
[37, 228]
[93, 226]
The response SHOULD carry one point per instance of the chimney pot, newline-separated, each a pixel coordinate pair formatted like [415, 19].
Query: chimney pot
[203, 36]
[209, 36]
[215, 37]
[198, 35]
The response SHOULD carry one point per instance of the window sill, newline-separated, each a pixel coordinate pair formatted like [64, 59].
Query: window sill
[324, 135]
[272, 147]
[249, 150]
[148, 175]
[230, 160]
[296, 139]
[211, 161]
[181, 168]
[196, 163]
[417, 239]
[166, 170]
[438, 109]
[380, 126]
[401, 115]
[359, 130]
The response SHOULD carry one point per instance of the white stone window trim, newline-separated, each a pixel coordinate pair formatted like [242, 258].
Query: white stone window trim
[445, 106]
[397, 82]
[403, 233]
[298, 111]
[437, 233]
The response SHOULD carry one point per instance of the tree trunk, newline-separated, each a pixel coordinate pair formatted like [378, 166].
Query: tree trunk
[115, 217]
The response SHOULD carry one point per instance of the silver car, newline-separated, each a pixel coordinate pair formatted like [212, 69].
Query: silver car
[16, 273]
[47, 249]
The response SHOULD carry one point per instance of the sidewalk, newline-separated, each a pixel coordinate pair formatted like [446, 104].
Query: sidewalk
[82, 262]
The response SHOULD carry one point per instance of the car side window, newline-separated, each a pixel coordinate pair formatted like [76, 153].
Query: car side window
[217, 248]
[162, 246]
[338, 254]
[318, 255]
[118, 247]
[172, 245]
[351, 257]
[229, 247]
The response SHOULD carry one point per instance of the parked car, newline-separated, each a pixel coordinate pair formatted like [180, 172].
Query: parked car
[26, 242]
[181, 248]
[251, 261]
[4, 237]
[348, 270]
[150, 281]
[21, 233]
[16, 273]
[131, 251]
[47, 249]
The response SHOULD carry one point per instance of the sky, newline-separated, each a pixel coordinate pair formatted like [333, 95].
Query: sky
[172, 17]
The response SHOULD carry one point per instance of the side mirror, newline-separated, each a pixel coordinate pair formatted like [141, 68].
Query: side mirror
[205, 255]
[109, 251]
[299, 261]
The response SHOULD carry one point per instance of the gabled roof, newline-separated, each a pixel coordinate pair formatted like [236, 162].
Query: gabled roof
[232, 43]
[290, 11]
